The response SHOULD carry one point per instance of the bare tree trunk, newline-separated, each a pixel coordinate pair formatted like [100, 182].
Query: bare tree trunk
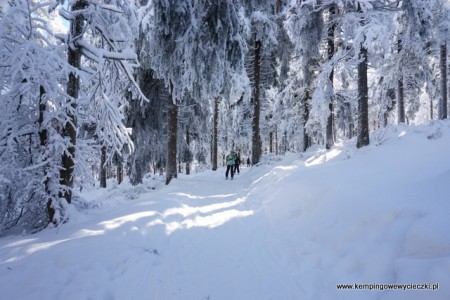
[276, 141]
[256, 139]
[42, 109]
[214, 136]
[400, 90]
[277, 6]
[43, 136]
[119, 173]
[431, 109]
[363, 97]
[306, 138]
[330, 49]
[271, 142]
[188, 163]
[401, 102]
[172, 127]
[443, 98]
[73, 86]
[103, 167]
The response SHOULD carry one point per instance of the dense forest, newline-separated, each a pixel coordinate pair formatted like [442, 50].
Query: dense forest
[127, 87]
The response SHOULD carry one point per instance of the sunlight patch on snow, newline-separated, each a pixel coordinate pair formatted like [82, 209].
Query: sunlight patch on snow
[282, 171]
[86, 232]
[186, 210]
[210, 221]
[44, 246]
[115, 223]
[402, 133]
[19, 243]
[189, 196]
[322, 157]
[285, 168]
[260, 178]
[277, 173]
[186, 217]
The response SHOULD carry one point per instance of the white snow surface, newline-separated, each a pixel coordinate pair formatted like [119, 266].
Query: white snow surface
[293, 227]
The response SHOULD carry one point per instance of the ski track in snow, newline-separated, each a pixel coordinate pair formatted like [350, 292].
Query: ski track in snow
[291, 228]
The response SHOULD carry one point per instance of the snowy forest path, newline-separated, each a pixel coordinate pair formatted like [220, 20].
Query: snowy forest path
[219, 228]
[200, 222]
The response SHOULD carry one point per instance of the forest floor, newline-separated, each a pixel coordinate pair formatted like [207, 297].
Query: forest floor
[375, 220]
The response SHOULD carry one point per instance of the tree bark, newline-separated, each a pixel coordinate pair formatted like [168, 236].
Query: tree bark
[400, 90]
[73, 86]
[401, 102]
[330, 49]
[271, 142]
[214, 136]
[256, 140]
[276, 141]
[363, 97]
[431, 109]
[43, 136]
[188, 163]
[306, 138]
[278, 6]
[42, 109]
[103, 167]
[119, 173]
[172, 127]
[443, 68]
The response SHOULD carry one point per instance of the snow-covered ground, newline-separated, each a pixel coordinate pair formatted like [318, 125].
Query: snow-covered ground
[293, 227]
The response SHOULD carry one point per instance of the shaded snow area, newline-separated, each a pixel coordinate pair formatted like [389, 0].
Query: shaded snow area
[294, 227]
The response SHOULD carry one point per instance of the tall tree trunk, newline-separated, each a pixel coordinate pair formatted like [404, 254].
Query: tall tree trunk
[431, 109]
[256, 140]
[401, 102]
[271, 142]
[103, 167]
[214, 135]
[119, 173]
[443, 98]
[330, 49]
[188, 141]
[43, 135]
[42, 109]
[172, 127]
[73, 86]
[400, 89]
[276, 141]
[306, 138]
[363, 97]
[278, 6]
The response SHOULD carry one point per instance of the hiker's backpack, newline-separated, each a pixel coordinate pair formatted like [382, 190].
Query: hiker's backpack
[230, 159]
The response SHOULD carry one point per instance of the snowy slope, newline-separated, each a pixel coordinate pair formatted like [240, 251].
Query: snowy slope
[291, 228]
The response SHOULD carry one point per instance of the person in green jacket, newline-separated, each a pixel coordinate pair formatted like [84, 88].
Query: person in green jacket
[230, 164]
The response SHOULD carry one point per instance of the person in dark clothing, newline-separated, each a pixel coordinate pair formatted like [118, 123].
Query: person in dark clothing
[248, 161]
[230, 159]
[237, 162]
